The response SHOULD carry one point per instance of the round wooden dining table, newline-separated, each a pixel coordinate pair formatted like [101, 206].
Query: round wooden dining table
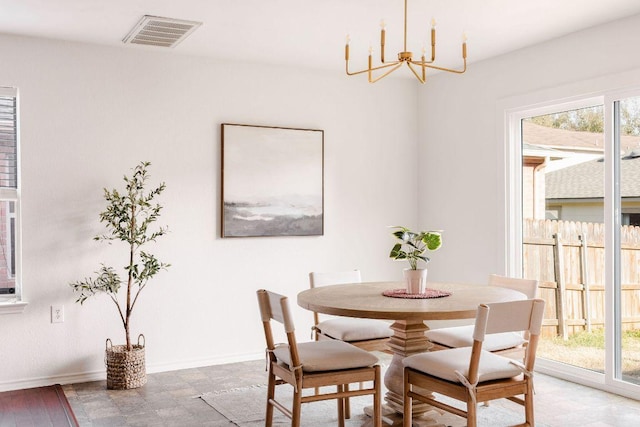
[366, 300]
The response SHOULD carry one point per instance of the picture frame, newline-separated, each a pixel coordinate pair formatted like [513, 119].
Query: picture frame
[272, 181]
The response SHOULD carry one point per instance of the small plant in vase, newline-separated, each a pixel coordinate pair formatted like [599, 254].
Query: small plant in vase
[128, 217]
[411, 247]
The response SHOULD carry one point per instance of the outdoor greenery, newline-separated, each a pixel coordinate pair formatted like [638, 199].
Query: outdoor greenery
[591, 119]
[586, 350]
[595, 339]
[413, 245]
[128, 218]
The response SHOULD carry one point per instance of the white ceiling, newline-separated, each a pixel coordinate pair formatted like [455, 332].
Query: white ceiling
[311, 33]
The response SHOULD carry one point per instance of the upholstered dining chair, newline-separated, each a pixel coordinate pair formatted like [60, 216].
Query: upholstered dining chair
[313, 365]
[508, 343]
[472, 374]
[368, 334]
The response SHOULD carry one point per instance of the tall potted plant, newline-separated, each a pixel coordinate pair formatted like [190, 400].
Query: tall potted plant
[411, 247]
[128, 218]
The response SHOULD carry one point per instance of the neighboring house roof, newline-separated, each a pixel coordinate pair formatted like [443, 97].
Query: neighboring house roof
[586, 180]
[543, 151]
[570, 173]
[559, 138]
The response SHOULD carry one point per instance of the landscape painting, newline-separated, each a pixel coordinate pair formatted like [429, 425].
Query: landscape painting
[272, 181]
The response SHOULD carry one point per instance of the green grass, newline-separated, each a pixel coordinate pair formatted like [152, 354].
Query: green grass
[586, 350]
[595, 339]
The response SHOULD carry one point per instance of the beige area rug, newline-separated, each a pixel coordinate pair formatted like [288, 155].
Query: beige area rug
[245, 407]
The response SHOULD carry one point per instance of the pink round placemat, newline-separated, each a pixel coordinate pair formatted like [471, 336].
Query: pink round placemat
[428, 293]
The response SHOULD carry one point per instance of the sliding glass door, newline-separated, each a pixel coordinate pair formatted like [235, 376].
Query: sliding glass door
[563, 232]
[575, 190]
[626, 199]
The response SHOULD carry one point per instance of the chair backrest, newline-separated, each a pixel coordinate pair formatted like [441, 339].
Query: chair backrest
[529, 287]
[511, 316]
[274, 306]
[332, 278]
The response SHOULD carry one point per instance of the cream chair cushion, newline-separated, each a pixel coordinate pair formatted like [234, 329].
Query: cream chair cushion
[443, 364]
[327, 355]
[354, 329]
[462, 336]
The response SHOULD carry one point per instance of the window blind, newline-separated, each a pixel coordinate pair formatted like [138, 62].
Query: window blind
[8, 140]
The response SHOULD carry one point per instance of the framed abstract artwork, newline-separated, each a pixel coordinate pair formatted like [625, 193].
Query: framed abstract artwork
[272, 181]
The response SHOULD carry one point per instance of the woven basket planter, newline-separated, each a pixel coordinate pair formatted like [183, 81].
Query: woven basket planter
[125, 369]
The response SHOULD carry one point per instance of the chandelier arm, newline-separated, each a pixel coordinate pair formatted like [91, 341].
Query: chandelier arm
[435, 67]
[366, 70]
[464, 68]
[420, 62]
[397, 65]
[422, 80]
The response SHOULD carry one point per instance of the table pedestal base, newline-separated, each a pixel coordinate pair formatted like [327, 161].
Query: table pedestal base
[408, 339]
[390, 417]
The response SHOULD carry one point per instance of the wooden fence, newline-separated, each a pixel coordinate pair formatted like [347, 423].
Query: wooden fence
[568, 260]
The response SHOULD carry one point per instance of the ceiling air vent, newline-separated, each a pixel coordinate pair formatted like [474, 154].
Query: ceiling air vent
[158, 31]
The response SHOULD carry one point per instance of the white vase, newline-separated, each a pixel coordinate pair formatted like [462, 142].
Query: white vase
[416, 280]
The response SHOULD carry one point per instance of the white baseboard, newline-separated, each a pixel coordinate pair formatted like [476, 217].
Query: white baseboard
[586, 377]
[82, 377]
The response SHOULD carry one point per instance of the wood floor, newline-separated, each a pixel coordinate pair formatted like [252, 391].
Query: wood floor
[37, 407]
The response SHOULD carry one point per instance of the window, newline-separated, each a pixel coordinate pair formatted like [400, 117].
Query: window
[567, 147]
[630, 218]
[573, 205]
[10, 290]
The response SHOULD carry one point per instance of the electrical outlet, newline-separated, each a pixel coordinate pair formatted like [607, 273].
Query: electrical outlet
[57, 313]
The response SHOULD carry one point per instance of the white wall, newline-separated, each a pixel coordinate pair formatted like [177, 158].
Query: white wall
[462, 153]
[89, 114]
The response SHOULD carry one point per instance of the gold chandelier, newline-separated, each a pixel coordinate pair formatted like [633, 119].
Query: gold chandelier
[405, 57]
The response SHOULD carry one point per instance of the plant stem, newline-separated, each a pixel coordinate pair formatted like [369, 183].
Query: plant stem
[130, 278]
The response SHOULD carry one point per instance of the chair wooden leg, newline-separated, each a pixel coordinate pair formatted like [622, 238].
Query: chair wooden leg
[528, 404]
[347, 405]
[271, 390]
[297, 407]
[341, 406]
[377, 401]
[406, 409]
[472, 411]
[472, 408]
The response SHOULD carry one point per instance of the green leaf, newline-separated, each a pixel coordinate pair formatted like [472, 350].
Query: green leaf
[432, 240]
[395, 251]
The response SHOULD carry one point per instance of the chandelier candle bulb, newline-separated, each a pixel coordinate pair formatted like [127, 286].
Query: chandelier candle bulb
[346, 47]
[383, 33]
[464, 45]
